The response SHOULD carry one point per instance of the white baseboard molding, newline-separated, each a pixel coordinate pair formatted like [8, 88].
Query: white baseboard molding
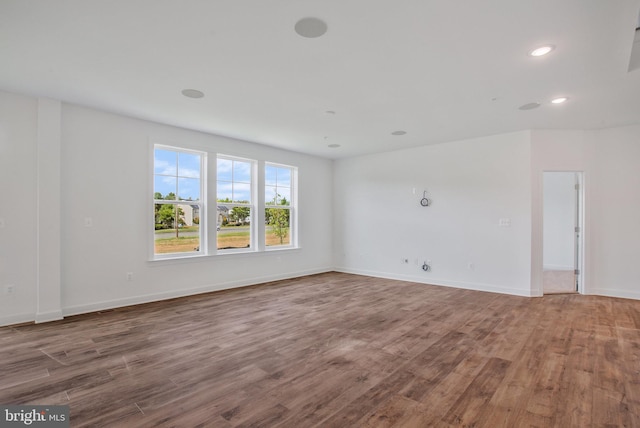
[622, 294]
[16, 319]
[147, 298]
[439, 282]
[48, 316]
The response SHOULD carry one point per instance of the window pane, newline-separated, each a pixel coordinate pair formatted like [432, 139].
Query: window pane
[270, 173]
[177, 228]
[241, 192]
[164, 187]
[225, 170]
[165, 162]
[284, 196]
[284, 177]
[277, 227]
[234, 230]
[225, 191]
[241, 172]
[189, 189]
[188, 165]
[270, 194]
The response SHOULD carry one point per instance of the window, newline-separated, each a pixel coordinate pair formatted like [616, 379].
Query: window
[255, 204]
[279, 203]
[234, 194]
[178, 201]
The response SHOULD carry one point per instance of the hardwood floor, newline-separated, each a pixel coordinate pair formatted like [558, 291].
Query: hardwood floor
[336, 350]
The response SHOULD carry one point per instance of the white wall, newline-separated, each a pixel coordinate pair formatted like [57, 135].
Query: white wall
[615, 212]
[105, 174]
[473, 184]
[367, 204]
[18, 208]
[610, 160]
[559, 220]
[565, 150]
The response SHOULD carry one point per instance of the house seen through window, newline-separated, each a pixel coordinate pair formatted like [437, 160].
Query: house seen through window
[178, 201]
[234, 204]
[278, 205]
[252, 212]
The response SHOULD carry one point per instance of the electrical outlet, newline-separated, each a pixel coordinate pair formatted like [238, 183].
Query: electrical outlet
[129, 276]
[9, 289]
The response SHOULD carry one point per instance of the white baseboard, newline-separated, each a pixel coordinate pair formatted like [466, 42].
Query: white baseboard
[442, 283]
[16, 319]
[147, 298]
[48, 316]
[622, 294]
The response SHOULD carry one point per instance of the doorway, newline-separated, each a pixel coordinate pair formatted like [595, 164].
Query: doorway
[562, 232]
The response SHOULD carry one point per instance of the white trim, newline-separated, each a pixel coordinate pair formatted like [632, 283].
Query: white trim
[48, 316]
[201, 202]
[619, 294]
[148, 298]
[16, 319]
[523, 292]
[207, 257]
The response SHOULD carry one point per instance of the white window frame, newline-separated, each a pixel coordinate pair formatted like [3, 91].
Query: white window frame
[207, 204]
[292, 207]
[201, 203]
[253, 247]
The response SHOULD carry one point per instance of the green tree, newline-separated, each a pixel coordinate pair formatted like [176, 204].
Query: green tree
[240, 214]
[278, 218]
[166, 216]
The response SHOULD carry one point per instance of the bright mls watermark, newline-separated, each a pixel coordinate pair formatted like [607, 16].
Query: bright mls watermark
[34, 416]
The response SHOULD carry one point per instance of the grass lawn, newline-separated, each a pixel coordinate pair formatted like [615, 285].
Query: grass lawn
[225, 240]
[177, 245]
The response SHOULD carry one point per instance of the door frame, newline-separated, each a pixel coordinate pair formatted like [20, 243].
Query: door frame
[537, 225]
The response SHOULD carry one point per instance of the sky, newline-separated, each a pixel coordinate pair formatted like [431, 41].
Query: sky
[180, 173]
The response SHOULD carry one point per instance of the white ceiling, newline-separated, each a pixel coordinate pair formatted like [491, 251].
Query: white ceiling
[441, 70]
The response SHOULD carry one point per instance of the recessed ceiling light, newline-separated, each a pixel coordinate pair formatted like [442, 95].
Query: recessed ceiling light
[334, 146]
[311, 27]
[398, 132]
[542, 50]
[559, 100]
[192, 93]
[529, 106]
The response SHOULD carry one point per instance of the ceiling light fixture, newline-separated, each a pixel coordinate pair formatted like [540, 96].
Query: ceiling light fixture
[311, 27]
[559, 100]
[192, 93]
[542, 50]
[398, 132]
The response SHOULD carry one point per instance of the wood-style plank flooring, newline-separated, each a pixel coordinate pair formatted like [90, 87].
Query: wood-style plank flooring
[336, 350]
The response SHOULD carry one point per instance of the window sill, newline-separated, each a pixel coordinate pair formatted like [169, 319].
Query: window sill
[197, 258]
